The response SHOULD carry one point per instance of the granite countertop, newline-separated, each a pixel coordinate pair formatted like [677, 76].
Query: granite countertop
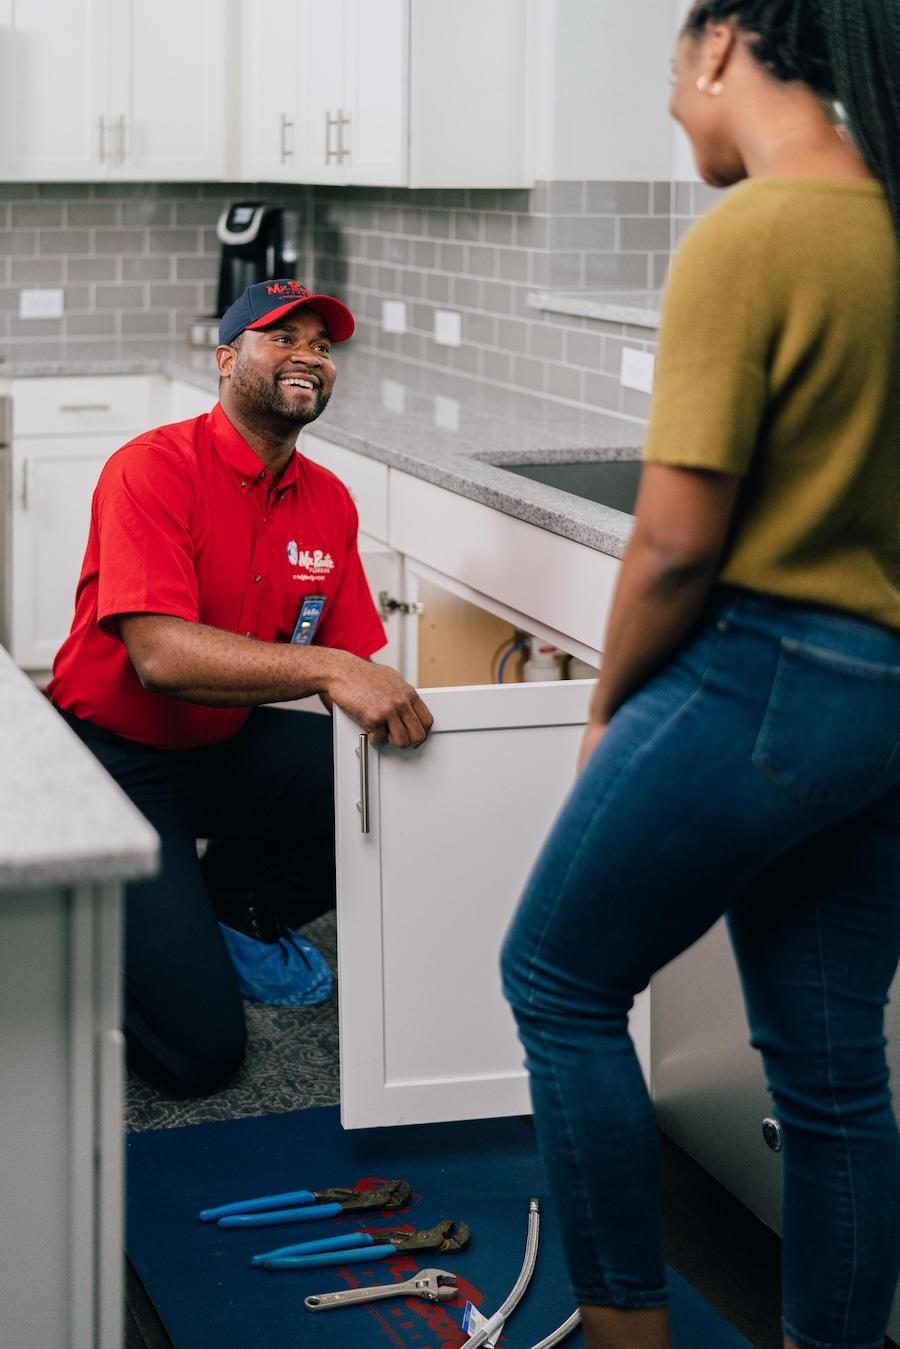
[639, 308]
[65, 820]
[455, 431]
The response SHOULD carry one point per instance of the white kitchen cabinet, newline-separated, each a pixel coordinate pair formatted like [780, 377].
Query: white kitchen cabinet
[429, 876]
[342, 119]
[186, 400]
[123, 89]
[389, 92]
[426, 891]
[365, 479]
[69, 838]
[553, 587]
[353, 94]
[64, 430]
[54, 63]
[168, 89]
[53, 482]
[270, 35]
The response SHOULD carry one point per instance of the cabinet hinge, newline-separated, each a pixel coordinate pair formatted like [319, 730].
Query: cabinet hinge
[388, 605]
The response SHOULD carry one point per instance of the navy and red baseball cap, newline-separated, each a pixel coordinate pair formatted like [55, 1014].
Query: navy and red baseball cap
[268, 301]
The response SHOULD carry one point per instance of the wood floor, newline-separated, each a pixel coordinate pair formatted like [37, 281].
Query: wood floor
[712, 1241]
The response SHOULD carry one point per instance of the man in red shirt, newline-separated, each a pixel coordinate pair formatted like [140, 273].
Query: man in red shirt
[222, 573]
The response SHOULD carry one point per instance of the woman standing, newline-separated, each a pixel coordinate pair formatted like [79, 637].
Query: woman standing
[743, 750]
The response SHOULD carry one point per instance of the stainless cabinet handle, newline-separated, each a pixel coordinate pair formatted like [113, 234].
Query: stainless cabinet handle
[286, 150]
[101, 146]
[120, 128]
[85, 407]
[343, 151]
[24, 484]
[331, 122]
[362, 805]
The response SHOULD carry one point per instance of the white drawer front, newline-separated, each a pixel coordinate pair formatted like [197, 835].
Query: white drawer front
[366, 480]
[73, 405]
[562, 584]
[186, 400]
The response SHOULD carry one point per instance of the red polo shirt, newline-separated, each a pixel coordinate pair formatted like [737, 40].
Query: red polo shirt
[184, 521]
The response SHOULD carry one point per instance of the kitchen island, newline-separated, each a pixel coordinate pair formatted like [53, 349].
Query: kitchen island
[68, 840]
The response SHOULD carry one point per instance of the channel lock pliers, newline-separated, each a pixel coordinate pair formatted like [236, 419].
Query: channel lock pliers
[355, 1247]
[313, 1204]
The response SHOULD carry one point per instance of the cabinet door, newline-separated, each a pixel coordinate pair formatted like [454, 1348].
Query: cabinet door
[425, 896]
[375, 91]
[270, 36]
[53, 481]
[54, 61]
[167, 89]
[186, 400]
[321, 63]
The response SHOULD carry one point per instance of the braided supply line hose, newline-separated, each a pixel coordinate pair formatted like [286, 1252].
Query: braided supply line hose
[498, 1320]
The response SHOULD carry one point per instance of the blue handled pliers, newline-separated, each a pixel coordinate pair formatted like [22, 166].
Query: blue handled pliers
[353, 1247]
[313, 1204]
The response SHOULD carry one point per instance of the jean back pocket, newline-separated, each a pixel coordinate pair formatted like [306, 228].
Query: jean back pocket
[831, 730]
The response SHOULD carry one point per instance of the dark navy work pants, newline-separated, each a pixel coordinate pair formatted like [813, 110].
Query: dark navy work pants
[264, 800]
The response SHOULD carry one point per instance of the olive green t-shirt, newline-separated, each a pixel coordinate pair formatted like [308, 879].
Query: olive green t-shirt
[779, 362]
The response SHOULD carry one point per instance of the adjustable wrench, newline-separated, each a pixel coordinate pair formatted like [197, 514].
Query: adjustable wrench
[434, 1285]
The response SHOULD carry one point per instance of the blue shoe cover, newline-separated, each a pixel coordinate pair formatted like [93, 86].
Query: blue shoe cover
[287, 973]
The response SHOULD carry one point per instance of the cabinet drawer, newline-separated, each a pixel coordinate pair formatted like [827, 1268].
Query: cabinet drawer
[564, 585]
[365, 479]
[186, 400]
[72, 405]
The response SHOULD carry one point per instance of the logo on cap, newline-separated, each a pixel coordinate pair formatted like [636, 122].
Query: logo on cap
[286, 288]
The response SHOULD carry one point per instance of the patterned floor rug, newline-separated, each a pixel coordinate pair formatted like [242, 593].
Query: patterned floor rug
[291, 1063]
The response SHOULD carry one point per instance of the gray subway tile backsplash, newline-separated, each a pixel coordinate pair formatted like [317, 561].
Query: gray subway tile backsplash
[142, 260]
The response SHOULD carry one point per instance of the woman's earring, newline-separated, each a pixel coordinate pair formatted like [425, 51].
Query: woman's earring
[705, 87]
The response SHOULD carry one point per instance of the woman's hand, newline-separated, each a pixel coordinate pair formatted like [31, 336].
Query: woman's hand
[593, 734]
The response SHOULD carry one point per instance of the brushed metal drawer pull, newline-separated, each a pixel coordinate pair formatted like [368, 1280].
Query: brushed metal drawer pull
[287, 151]
[362, 805]
[332, 122]
[85, 407]
[24, 484]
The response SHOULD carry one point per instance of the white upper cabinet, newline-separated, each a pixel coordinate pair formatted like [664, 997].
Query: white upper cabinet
[271, 74]
[405, 93]
[54, 68]
[168, 91]
[409, 93]
[122, 89]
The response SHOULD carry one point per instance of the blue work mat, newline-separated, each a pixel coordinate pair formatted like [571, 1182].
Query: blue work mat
[201, 1281]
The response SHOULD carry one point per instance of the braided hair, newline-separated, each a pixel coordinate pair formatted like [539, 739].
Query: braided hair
[847, 51]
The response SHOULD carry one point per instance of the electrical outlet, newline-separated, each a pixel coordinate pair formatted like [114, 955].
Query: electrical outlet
[637, 370]
[446, 412]
[41, 304]
[447, 327]
[393, 395]
[393, 316]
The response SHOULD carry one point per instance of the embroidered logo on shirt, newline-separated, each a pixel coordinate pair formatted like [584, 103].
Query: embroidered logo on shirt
[314, 561]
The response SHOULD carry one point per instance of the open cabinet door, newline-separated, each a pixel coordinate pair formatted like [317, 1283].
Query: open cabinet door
[426, 893]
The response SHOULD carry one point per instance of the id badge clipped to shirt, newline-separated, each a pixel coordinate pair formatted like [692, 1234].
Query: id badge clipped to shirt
[308, 620]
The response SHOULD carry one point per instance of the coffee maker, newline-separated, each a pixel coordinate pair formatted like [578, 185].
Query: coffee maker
[252, 237]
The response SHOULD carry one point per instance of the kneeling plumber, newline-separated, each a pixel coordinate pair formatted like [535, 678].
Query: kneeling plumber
[222, 573]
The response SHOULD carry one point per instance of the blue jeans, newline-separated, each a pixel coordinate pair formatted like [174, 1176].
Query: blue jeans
[758, 776]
